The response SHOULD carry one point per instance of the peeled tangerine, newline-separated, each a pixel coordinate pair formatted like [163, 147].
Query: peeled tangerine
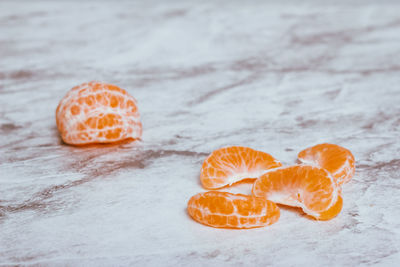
[227, 210]
[311, 188]
[97, 112]
[229, 165]
[337, 160]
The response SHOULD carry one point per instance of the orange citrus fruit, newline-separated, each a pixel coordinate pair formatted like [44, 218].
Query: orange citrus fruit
[97, 112]
[337, 160]
[227, 210]
[311, 188]
[229, 165]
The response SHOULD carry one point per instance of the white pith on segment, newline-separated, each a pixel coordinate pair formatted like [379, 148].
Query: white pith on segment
[235, 171]
[128, 118]
[261, 219]
[342, 174]
[294, 196]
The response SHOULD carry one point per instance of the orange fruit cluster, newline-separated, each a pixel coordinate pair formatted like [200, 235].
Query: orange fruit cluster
[314, 186]
[97, 112]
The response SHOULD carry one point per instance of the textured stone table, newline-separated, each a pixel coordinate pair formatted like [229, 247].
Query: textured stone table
[273, 76]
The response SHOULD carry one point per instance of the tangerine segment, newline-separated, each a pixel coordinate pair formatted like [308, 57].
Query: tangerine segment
[97, 112]
[309, 187]
[229, 165]
[337, 160]
[227, 210]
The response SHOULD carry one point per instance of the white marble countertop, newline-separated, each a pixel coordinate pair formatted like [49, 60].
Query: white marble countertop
[277, 76]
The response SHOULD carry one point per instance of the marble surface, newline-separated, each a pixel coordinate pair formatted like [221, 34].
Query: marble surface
[277, 76]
